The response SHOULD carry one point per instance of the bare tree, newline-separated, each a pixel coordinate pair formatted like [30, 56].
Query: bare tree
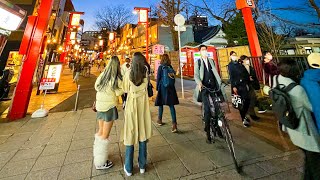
[167, 9]
[114, 17]
[269, 39]
[315, 7]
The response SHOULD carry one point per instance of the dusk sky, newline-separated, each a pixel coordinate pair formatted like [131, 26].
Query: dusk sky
[90, 7]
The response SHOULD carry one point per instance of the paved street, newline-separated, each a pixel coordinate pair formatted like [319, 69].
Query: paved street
[60, 147]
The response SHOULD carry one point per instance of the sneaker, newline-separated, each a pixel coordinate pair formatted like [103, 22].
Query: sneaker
[142, 171]
[124, 168]
[246, 123]
[159, 122]
[174, 128]
[107, 165]
[262, 111]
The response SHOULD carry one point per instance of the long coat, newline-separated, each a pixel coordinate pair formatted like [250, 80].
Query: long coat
[166, 95]
[137, 115]
[199, 74]
[306, 135]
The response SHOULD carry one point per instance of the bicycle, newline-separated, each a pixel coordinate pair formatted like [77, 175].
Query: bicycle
[220, 122]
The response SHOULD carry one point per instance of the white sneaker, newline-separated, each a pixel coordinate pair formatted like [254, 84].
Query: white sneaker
[142, 171]
[107, 165]
[124, 168]
[246, 123]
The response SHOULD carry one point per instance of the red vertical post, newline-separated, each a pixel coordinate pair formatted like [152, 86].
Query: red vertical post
[147, 42]
[38, 27]
[66, 42]
[245, 6]
[251, 32]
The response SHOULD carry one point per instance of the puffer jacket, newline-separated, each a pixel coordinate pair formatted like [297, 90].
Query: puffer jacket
[107, 98]
[311, 83]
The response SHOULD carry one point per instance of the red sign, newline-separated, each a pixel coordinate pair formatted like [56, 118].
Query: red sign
[48, 80]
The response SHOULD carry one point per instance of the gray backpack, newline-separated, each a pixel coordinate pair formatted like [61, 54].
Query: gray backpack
[281, 104]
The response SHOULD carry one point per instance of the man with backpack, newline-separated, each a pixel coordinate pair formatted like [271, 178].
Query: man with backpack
[205, 74]
[293, 109]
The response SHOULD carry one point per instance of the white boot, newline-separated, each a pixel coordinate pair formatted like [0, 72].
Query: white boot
[100, 156]
[96, 140]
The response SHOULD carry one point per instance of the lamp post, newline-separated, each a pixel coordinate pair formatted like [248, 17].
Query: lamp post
[143, 18]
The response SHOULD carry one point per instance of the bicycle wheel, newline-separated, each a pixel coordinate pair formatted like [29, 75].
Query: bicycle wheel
[229, 140]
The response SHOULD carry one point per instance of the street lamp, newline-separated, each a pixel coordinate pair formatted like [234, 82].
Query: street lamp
[143, 18]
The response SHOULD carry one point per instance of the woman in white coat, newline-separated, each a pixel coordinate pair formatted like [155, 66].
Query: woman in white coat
[108, 86]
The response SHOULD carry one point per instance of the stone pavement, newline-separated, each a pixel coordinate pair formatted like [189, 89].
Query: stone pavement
[60, 147]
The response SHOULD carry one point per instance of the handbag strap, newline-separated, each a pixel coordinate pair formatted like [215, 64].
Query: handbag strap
[147, 74]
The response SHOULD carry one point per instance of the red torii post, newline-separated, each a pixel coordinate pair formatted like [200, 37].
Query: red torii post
[245, 7]
[30, 47]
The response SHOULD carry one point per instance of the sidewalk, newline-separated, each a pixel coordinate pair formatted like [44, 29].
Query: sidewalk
[60, 147]
[66, 89]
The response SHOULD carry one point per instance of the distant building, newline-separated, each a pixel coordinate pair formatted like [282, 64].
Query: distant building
[211, 36]
[198, 22]
[301, 45]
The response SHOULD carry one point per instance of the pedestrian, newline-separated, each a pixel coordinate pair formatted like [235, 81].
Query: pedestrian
[311, 84]
[240, 80]
[206, 74]
[167, 95]
[253, 85]
[124, 69]
[108, 86]
[77, 70]
[270, 67]
[305, 135]
[137, 115]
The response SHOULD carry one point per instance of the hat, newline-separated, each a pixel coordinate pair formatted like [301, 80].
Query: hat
[314, 60]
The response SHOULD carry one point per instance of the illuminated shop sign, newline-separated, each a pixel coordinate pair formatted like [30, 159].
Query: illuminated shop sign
[75, 19]
[11, 16]
[55, 71]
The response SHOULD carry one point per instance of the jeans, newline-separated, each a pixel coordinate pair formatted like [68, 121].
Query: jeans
[142, 159]
[76, 77]
[207, 110]
[172, 112]
[245, 108]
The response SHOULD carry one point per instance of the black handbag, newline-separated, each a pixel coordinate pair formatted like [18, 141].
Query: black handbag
[150, 86]
[150, 89]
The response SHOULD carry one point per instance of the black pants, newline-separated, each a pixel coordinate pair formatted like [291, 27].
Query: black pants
[245, 108]
[207, 111]
[253, 101]
[312, 166]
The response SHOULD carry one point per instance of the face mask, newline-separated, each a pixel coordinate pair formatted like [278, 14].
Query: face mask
[234, 58]
[204, 53]
[269, 57]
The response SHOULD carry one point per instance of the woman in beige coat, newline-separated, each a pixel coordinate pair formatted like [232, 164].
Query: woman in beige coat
[108, 87]
[137, 125]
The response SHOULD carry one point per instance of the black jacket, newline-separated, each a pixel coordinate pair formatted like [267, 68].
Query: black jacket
[239, 78]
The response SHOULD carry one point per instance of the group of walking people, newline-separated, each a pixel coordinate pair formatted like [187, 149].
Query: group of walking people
[131, 81]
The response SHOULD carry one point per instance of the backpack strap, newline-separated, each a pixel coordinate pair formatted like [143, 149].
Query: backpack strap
[290, 87]
[277, 80]
[199, 63]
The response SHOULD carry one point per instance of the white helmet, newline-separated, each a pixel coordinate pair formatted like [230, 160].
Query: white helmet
[314, 60]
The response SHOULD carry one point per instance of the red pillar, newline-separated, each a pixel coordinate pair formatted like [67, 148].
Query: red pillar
[30, 47]
[251, 32]
[67, 41]
[245, 7]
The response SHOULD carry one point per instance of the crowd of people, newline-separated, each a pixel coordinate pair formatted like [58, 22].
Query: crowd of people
[131, 81]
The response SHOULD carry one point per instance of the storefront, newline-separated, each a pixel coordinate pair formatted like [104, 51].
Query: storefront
[11, 18]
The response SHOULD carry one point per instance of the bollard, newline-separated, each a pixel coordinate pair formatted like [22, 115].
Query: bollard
[77, 97]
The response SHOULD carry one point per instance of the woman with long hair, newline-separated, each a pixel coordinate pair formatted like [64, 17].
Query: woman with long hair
[137, 124]
[166, 95]
[108, 86]
[124, 68]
